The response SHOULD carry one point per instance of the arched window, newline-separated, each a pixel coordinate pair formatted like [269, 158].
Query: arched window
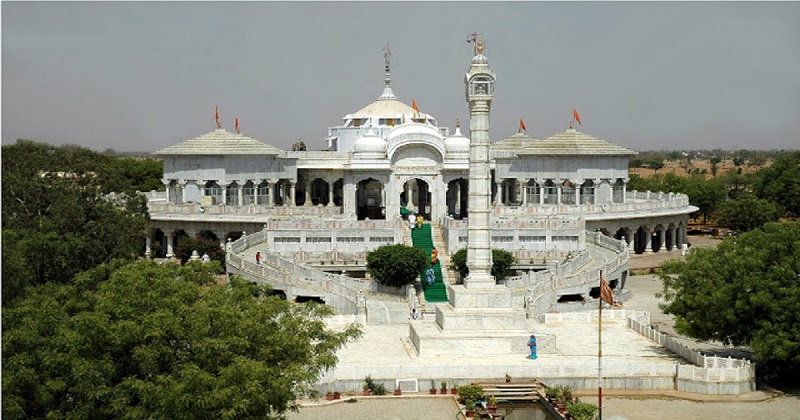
[248, 193]
[587, 192]
[550, 192]
[213, 190]
[619, 191]
[533, 192]
[263, 193]
[232, 194]
[567, 193]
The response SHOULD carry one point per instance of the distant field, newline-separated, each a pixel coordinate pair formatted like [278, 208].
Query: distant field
[680, 168]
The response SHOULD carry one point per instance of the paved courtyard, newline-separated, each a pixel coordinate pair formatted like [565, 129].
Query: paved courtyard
[385, 351]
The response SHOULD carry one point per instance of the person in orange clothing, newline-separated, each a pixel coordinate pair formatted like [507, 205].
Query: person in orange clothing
[434, 256]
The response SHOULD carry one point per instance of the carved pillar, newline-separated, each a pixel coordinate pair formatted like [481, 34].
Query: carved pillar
[147, 244]
[330, 191]
[292, 190]
[170, 252]
[308, 192]
[524, 191]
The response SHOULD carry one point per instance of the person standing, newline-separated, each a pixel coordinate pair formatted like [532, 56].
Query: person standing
[434, 256]
[258, 258]
[430, 276]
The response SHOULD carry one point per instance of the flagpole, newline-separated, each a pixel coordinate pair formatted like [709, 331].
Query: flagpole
[600, 352]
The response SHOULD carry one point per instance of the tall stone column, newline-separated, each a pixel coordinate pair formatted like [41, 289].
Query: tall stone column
[308, 193]
[480, 89]
[292, 190]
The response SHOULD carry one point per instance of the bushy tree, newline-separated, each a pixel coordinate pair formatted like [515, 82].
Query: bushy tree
[60, 216]
[707, 195]
[502, 260]
[143, 340]
[396, 265]
[746, 291]
[747, 213]
[780, 182]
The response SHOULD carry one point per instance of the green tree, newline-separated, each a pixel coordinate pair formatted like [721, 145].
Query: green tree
[744, 292]
[714, 161]
[143, 340]
[705, 194]
[655, 164]
[396, 265]
[780, 182]
[747, 213]
[502, 261]
[60, 217]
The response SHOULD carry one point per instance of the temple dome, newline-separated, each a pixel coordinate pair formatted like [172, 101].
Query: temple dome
[370, 144]
[457, 143]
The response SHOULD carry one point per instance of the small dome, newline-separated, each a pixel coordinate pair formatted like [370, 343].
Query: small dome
[370, 143]
[480, 59]
[457, 143]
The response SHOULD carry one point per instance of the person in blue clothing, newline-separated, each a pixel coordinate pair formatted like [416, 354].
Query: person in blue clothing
[430, 276]
[532, 347]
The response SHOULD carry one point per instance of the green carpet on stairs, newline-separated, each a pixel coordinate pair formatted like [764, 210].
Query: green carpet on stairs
[422, 239]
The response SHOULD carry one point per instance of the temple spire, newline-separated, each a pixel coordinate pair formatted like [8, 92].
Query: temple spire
[387, 77]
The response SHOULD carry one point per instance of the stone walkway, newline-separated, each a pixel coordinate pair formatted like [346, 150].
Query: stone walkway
[385, 351]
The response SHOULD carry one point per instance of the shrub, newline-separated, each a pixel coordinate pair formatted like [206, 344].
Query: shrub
[396, 265]
[470, 393]
[582, 411]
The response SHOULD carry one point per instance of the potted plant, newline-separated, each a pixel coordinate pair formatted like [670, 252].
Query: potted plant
[491, 404]
[337, 395]
[379, 389]
[329, 396]
[470, 411]
[398, 391]
[453, 388]
[369, 384]
[508, 378]
[582, 411]
[472, 392]
[443, 390]
[432, 389]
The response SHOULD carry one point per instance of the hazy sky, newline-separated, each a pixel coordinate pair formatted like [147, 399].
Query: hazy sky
[142, 76]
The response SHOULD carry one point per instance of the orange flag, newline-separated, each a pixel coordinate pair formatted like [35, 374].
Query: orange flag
[605, 292]
[576, 116]
[522, 125]
[414, 105]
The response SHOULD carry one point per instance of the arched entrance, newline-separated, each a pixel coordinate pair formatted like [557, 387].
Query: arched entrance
[457, 198]
[416, 195]
[369, 200]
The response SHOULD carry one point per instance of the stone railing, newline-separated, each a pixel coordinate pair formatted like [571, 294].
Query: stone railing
[275, 269]
[710, 374]
[163, 207]
[634, 201]
[540, 288]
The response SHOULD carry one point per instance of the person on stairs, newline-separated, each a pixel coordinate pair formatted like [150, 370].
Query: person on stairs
[420, 221]
[430, 276]
[434, 256]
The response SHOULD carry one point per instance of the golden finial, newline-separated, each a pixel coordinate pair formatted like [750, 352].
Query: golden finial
[570, 124]
[479, 46]
[458, 123]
